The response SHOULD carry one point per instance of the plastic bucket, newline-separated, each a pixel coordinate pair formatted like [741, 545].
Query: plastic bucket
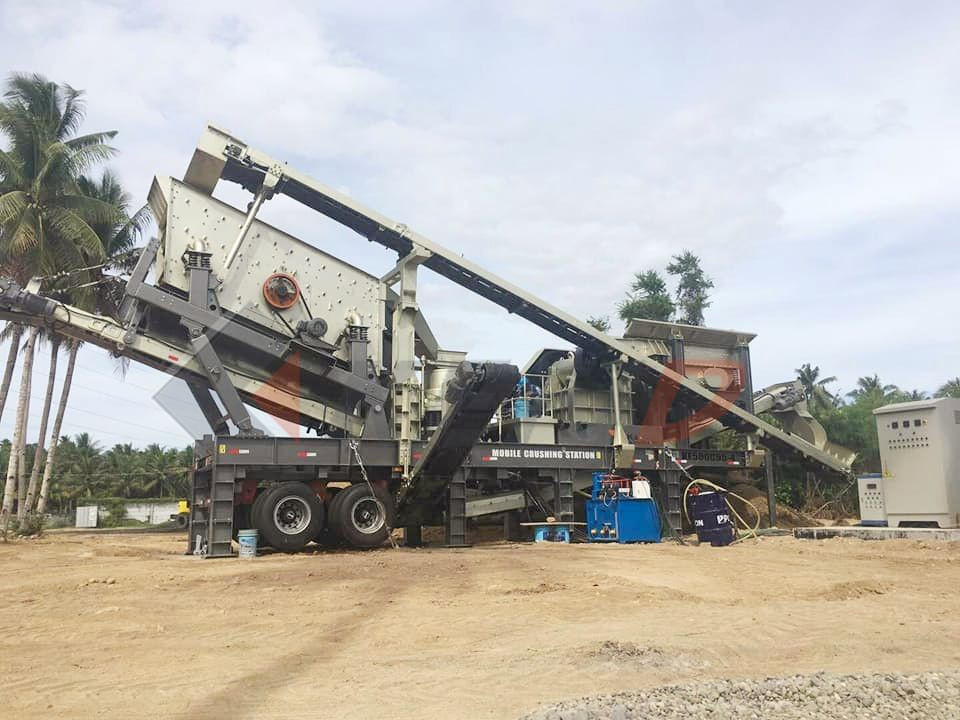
[247, 540]
[711, 518]
[520, 409]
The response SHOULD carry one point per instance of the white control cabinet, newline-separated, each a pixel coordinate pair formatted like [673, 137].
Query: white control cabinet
[920, 458]
[872, 509]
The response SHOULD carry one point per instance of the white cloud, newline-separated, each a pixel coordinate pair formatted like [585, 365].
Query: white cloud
[808, 157]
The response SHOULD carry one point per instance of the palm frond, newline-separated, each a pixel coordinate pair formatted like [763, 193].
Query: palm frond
[91, 209]
[73, 112]
[74, 228]
[126, 238]
[24, 237]
[12, 205]
[83, 141]
[56, 157]
[83, 158]
[11, 171]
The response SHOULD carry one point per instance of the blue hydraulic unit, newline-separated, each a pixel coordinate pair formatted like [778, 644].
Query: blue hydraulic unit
[621, 510]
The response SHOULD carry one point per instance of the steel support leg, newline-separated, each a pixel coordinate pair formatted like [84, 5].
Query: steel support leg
[563, 505]
[457, 511]
[769, 465]
[216, 420]
[672, 485]
[511, 525]
[220, 382]
[413, 536]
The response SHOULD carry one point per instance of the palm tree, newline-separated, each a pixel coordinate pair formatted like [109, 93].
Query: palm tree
[17, 456]
[118, 235]
[45, 216]
[951, 388]
[910, 395]
[814, 387]
[86, 465]
[57, 424]
[870, 387]
[48, 215]
[14, 331]
[42, 434]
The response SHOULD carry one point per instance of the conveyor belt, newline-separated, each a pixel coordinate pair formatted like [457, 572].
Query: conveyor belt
[220, 155]
[474, 394]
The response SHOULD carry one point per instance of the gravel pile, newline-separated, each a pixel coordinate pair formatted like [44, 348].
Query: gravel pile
[924, 696]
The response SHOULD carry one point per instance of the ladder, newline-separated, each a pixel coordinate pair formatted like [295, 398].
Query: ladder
[211, 512]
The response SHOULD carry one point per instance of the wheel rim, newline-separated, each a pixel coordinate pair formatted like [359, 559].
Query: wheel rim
[292, 515]
[368, 515]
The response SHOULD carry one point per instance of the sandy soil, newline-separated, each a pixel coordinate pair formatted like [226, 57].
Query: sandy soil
[121, 626]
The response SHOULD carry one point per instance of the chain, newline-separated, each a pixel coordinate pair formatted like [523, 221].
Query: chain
[355, 447]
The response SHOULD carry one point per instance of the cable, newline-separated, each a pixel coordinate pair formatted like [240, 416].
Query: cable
[752, 531]
[108, 417]
[108, 432]
[665, 523]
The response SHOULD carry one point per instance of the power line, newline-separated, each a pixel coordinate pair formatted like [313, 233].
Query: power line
[148, 441]
[178, 401]
[113, 377]
[108, 417]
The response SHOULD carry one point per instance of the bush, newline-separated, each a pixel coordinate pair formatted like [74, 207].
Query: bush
[32, 525]
[58, 521]
[116, 513]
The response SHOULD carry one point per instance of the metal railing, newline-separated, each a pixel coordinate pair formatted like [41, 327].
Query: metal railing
[529, 401]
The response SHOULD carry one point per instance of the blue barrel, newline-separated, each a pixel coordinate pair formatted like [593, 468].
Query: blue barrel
[247, 540]
[711, 518]
[520, 408]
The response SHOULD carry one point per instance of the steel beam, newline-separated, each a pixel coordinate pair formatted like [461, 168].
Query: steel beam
[246, 166]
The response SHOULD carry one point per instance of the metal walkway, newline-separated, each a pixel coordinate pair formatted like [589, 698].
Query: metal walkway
[219, 155]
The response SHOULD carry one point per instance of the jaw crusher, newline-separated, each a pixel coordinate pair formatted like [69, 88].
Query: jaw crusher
[248, 315]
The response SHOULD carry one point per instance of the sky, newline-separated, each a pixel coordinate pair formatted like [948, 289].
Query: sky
[807, 152]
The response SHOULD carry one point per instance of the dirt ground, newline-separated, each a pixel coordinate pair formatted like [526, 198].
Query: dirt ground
[121, 626]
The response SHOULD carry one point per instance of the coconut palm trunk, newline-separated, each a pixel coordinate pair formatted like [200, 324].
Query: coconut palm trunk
[44, 419]
[57, 423]
[19, 430]
[22, 458]
[16, 332]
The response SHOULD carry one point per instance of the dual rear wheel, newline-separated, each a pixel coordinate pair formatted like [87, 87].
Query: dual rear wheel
[289, 515]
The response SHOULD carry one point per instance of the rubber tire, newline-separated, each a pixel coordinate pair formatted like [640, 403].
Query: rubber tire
[328, 537]
[241, 518]
[343, 526]
[254, 514]
[268, 530]
[183, 521]
[333, 517]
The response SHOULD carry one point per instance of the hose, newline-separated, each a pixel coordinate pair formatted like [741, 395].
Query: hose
[750, 531]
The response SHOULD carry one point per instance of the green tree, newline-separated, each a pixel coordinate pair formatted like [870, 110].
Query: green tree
[870, 387]
[693, 288]
[814, 387]
[45, 218]
[648, 298]
[951, 388]
[911, 395]
[599, 322]
[86, 469]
